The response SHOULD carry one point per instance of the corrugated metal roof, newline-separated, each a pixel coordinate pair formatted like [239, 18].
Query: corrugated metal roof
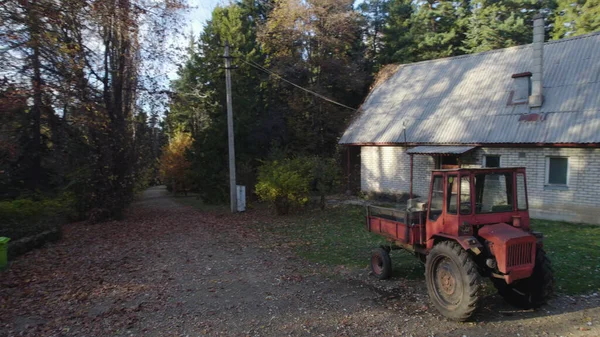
[440, 149]
[463, 99]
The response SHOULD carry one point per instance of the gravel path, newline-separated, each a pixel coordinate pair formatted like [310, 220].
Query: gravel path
[169, 270]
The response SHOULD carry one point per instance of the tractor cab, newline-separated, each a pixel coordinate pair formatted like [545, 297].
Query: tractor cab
[461, 201]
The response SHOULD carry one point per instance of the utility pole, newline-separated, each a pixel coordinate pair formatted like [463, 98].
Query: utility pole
[232, 184]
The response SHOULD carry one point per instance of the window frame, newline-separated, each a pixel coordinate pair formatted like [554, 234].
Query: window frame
[470, 194]
[516, 188]
[448, 194]
[547, 177]
[431, 196]
[520, 85]
[485, 156]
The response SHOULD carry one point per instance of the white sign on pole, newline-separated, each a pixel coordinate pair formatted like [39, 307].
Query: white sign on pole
[241, 198]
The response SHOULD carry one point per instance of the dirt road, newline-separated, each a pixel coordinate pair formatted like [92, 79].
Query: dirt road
[169, 270]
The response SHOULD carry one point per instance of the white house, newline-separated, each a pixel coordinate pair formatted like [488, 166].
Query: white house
[536, 106]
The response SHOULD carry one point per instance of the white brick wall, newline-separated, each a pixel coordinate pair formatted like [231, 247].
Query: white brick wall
[387, 169]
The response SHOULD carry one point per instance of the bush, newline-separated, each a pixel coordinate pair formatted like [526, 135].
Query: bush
[284, 183]
[287, 183]
[25, 217]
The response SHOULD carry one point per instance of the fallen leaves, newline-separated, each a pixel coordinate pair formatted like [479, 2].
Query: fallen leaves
[170, 270]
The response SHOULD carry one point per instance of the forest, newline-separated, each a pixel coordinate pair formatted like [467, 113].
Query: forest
[85, 122]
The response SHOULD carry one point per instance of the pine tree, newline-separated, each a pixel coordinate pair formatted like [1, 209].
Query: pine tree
[198, 105]
[575, 17]
[502, 24]
[376, 14]
[436, 29]
[398, 44]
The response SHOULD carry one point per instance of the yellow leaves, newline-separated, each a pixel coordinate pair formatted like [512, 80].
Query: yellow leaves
[174, 165]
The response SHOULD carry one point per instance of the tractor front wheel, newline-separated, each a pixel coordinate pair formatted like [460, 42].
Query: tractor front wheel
[531, 292]
[381, 263]
[453, 282]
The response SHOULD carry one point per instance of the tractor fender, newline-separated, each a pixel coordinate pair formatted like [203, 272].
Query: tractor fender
[469, 243]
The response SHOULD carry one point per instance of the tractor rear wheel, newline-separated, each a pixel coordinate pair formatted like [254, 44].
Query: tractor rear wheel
[453, 281]
[531, 292]
[381, 263]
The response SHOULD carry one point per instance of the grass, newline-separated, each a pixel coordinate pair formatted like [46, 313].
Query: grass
[574, 250]
[337, 236]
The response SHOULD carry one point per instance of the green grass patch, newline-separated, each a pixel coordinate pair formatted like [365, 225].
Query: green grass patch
[25, 217]
[337, 236]
[574, 250]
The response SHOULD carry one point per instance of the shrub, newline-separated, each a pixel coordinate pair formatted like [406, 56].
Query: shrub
[284, 183]
[24, 217]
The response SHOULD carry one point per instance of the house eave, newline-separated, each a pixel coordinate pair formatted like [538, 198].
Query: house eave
[569, 145]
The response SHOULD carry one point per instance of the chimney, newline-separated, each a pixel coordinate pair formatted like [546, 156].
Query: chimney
[536, 99]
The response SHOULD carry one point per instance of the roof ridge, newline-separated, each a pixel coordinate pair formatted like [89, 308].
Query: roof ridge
[572, 38]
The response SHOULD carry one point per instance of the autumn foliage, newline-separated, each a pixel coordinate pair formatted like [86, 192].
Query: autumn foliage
[174, 166]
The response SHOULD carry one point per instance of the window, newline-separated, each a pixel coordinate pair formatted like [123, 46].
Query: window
[452, 192]
[557, 171]
[493, 192]
[521, 193]
[492, 161]
[465, 195]
[437, 198]
[446, 162]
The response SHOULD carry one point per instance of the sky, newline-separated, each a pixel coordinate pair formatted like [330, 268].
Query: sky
[195, 18]
[200, 12]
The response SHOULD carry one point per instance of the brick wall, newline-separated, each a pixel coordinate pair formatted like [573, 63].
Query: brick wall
[387, 169]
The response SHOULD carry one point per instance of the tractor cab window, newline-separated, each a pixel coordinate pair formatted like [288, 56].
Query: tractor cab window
[437, 198]
[451, 193]
[493, 192]
[465, 195]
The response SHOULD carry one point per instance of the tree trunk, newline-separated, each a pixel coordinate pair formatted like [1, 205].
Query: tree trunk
[35, 147]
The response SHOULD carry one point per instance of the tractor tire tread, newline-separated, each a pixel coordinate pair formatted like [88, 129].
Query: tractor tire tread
[386, 268]
[473, 279]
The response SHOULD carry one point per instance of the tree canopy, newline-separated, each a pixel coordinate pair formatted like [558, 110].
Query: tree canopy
[331, 48]
[83, 110]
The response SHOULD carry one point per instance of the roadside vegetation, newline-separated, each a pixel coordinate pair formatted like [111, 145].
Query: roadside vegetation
[29, 216]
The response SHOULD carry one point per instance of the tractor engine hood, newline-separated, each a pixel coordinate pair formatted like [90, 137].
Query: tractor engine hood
[513, 248]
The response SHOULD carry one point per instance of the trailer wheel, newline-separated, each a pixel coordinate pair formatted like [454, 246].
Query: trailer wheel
[453, 281]
[531, 292]
[381, 263]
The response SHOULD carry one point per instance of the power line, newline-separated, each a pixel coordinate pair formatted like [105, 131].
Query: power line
[259, 67]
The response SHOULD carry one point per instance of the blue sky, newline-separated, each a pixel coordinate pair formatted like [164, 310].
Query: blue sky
[200, 12]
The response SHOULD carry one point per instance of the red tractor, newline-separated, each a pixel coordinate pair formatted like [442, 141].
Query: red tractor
[474, 224]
